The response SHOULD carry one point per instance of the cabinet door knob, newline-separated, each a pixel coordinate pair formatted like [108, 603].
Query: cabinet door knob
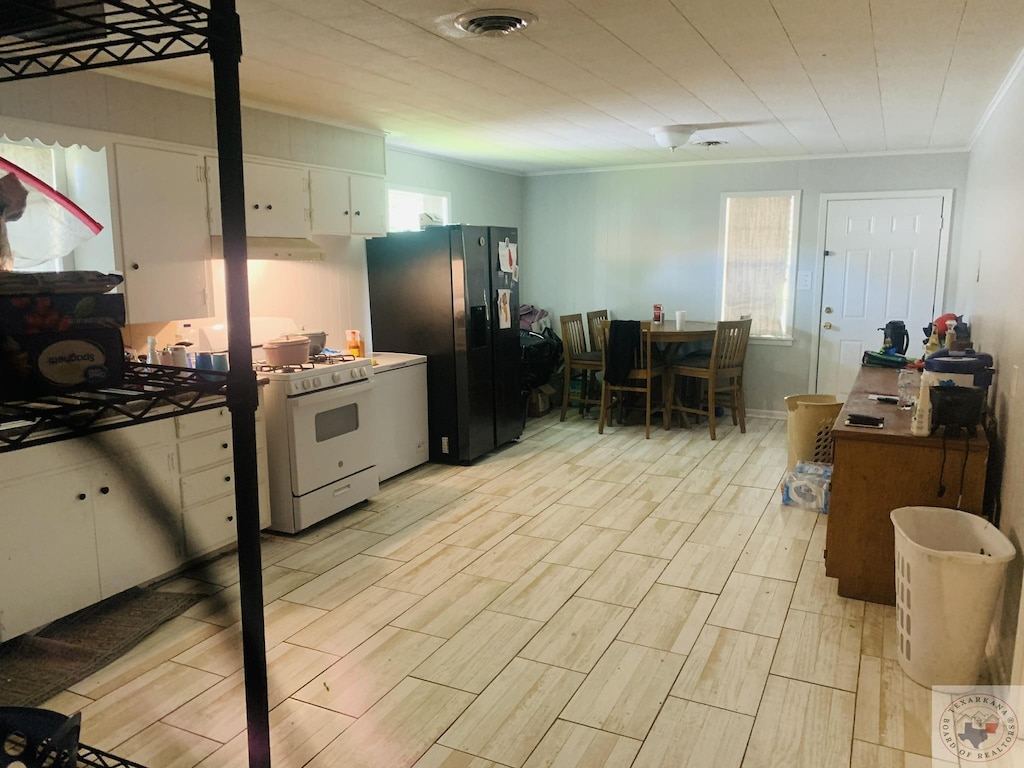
[256, 206]
[345, 213]
[224, 446]
[357, 213]
[105, 489]
[270, 207]
[82, 497]
[135, 265]
[227, 478]
[230, 518]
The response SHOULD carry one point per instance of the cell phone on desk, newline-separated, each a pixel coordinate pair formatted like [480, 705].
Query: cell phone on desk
[864, 420]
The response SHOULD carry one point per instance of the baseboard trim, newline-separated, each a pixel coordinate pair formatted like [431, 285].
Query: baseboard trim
[766, 414]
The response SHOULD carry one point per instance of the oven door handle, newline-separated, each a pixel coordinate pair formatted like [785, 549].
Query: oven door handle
[346, 391]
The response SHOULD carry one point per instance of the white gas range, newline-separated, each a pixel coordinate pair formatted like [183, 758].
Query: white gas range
[320, 439]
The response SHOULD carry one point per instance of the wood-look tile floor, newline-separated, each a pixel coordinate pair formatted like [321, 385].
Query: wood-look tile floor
[571, 600]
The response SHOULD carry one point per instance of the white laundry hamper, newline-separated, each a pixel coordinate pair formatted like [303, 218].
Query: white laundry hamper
[950, 567]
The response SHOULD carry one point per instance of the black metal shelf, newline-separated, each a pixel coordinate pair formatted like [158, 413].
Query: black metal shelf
[149, 392]
[42, 39]
[89, 757]
[49, 37]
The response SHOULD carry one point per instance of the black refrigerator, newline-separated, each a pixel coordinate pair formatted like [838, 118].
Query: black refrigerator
[452, 293]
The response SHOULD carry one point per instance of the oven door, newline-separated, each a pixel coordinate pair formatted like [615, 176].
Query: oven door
[330, 436]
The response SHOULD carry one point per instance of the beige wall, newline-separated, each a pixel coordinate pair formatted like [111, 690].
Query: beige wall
[107, 105]
[625, 239]
[991, 276]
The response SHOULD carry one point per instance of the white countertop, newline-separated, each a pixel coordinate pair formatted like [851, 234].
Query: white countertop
[390, 361]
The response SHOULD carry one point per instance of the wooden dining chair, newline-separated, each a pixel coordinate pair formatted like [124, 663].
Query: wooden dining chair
[720, 373]
[578, 359]
[594, 320]
[639, 378]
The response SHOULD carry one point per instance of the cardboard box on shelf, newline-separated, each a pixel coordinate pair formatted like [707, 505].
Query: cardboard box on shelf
[48, 363]
[60, 312]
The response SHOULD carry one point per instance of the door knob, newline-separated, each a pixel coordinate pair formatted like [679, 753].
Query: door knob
[828, 310]
[827, 326]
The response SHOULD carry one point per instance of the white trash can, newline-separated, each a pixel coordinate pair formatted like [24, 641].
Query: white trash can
[950, 567]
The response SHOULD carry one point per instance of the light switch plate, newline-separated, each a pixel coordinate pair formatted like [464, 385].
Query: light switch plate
[803, 280]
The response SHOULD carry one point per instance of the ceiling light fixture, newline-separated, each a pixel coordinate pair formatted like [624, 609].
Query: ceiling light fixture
[494, 22]
[672, 136]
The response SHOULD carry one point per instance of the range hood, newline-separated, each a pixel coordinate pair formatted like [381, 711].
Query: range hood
[281, 248]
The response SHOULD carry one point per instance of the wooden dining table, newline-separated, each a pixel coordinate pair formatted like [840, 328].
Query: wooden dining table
[669, 339]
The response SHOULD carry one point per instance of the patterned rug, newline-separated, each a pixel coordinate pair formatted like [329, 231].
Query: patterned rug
[34, 668]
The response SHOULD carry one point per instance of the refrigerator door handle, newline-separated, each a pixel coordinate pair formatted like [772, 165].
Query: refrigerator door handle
[487, 309]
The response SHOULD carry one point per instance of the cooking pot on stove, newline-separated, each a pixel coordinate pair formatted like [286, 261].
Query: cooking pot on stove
[317, 341]
[290, 349]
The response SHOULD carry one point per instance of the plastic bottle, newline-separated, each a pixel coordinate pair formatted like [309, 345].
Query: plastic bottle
[933, 345]
[950, 333]
[921, 421]
[151, 350]
[905, 388]
[190, 339]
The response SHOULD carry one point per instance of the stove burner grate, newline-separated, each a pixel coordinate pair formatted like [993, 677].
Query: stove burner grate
[262, 367]
[314, 360]
[331, 359]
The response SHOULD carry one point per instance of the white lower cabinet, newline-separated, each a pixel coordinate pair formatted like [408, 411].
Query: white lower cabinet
[207, 482]
[138, 519]
[84, 519]
[48, 561]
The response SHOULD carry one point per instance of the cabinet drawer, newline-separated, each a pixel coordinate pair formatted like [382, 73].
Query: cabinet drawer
[204, 451]
[36, 459]
[210, 526]
[207, 484]
[133, 438]
[205, 421]
[191, 424]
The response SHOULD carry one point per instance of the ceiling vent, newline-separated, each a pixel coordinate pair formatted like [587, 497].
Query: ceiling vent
[709, 143]
[494, 22]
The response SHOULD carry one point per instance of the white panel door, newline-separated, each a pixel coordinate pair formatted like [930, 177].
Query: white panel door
[881, 264]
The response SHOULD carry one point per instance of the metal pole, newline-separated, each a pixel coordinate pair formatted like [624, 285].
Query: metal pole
[242, 397]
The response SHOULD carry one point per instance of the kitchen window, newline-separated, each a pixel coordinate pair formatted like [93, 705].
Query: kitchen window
[758, 243]
[405, 205]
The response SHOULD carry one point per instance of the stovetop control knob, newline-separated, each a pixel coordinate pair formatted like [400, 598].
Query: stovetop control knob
[362, 371]
[306, 383]
[354, 373]
[336, 377]
[317, 383]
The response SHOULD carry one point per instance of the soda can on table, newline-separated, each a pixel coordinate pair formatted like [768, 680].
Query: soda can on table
[657, 313]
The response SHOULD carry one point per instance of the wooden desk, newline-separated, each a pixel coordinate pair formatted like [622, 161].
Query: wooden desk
[878, 470]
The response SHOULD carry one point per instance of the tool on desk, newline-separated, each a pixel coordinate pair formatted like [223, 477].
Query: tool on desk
[864, 420]
[891, 399]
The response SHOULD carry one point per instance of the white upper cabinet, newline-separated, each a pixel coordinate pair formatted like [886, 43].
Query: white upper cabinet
[276, 200]
[369, 205]
[347, 204]
[330, 198]
[165, 238]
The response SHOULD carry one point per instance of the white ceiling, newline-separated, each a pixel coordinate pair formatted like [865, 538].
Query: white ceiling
[583, 86]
